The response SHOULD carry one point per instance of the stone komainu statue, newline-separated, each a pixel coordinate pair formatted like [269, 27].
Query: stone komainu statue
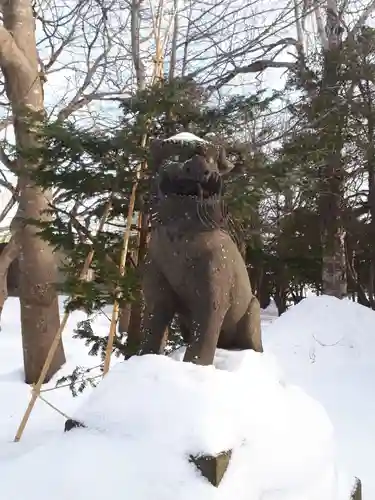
[194, 268]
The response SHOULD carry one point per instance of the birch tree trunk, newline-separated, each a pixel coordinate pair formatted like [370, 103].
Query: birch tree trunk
[38, 297]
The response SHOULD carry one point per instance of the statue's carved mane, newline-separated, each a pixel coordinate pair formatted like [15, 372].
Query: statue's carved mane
[187, 200]
[175, 150]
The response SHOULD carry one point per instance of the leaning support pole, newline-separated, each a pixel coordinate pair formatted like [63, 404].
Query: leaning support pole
[157, 75]
[122, 267]
[36, 388]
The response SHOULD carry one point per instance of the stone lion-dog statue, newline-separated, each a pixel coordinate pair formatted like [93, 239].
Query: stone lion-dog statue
[194, 268]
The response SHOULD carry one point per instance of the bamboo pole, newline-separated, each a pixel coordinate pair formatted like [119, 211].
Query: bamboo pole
[35, 393]
[122, 268]
[157, 75]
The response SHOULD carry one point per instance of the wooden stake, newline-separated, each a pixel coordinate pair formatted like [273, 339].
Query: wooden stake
[122, 269]
[157, 75]
[36, 389]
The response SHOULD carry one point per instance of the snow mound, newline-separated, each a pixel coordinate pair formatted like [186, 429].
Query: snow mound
[151, 412]
[327, 346]
[185, 137]
[269, 314]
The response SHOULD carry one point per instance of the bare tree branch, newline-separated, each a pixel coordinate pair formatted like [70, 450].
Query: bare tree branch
[255, 67]
[363, 17]
[8, 207]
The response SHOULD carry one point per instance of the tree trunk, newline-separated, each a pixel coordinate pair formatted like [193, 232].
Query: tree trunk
[173, 56]
[135, 334]
[39, 305]
[281, 287]
[7, 256]
[370, 163]
[331, 195]
[124, 318]
[280, 301]
[126, 309]
[135, 39]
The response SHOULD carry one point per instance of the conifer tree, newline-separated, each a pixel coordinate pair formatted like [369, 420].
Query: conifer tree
[89, 169]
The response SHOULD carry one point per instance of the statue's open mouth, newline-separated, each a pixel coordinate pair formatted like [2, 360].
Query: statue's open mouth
[206, 188]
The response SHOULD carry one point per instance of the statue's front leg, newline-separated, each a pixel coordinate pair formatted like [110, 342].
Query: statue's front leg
[207, 315]
[205, 333]
[159, 311]
[249, 331]
[156, 324]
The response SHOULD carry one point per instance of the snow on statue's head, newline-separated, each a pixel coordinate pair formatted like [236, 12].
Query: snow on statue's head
[186, 147]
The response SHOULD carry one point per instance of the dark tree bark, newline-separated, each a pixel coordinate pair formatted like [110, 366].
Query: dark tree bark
[332, 171]
[135, 334]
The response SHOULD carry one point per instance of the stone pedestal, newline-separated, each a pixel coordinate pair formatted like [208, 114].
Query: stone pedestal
[211, 467]
[72, 424]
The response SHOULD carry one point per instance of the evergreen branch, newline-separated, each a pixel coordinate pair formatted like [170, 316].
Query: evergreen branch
[76, 381]
[85, 232]
[81, 229]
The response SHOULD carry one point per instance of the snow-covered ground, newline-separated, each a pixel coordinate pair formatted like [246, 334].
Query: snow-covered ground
[327, 347]
[14, 394]
[149, 412]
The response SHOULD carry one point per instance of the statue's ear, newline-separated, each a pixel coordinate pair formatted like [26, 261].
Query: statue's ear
[201, 149]
[225, 166]
[210, 153]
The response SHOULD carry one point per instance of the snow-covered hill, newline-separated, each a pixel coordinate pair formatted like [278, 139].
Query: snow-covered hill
[327, 347]
[149, 413]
